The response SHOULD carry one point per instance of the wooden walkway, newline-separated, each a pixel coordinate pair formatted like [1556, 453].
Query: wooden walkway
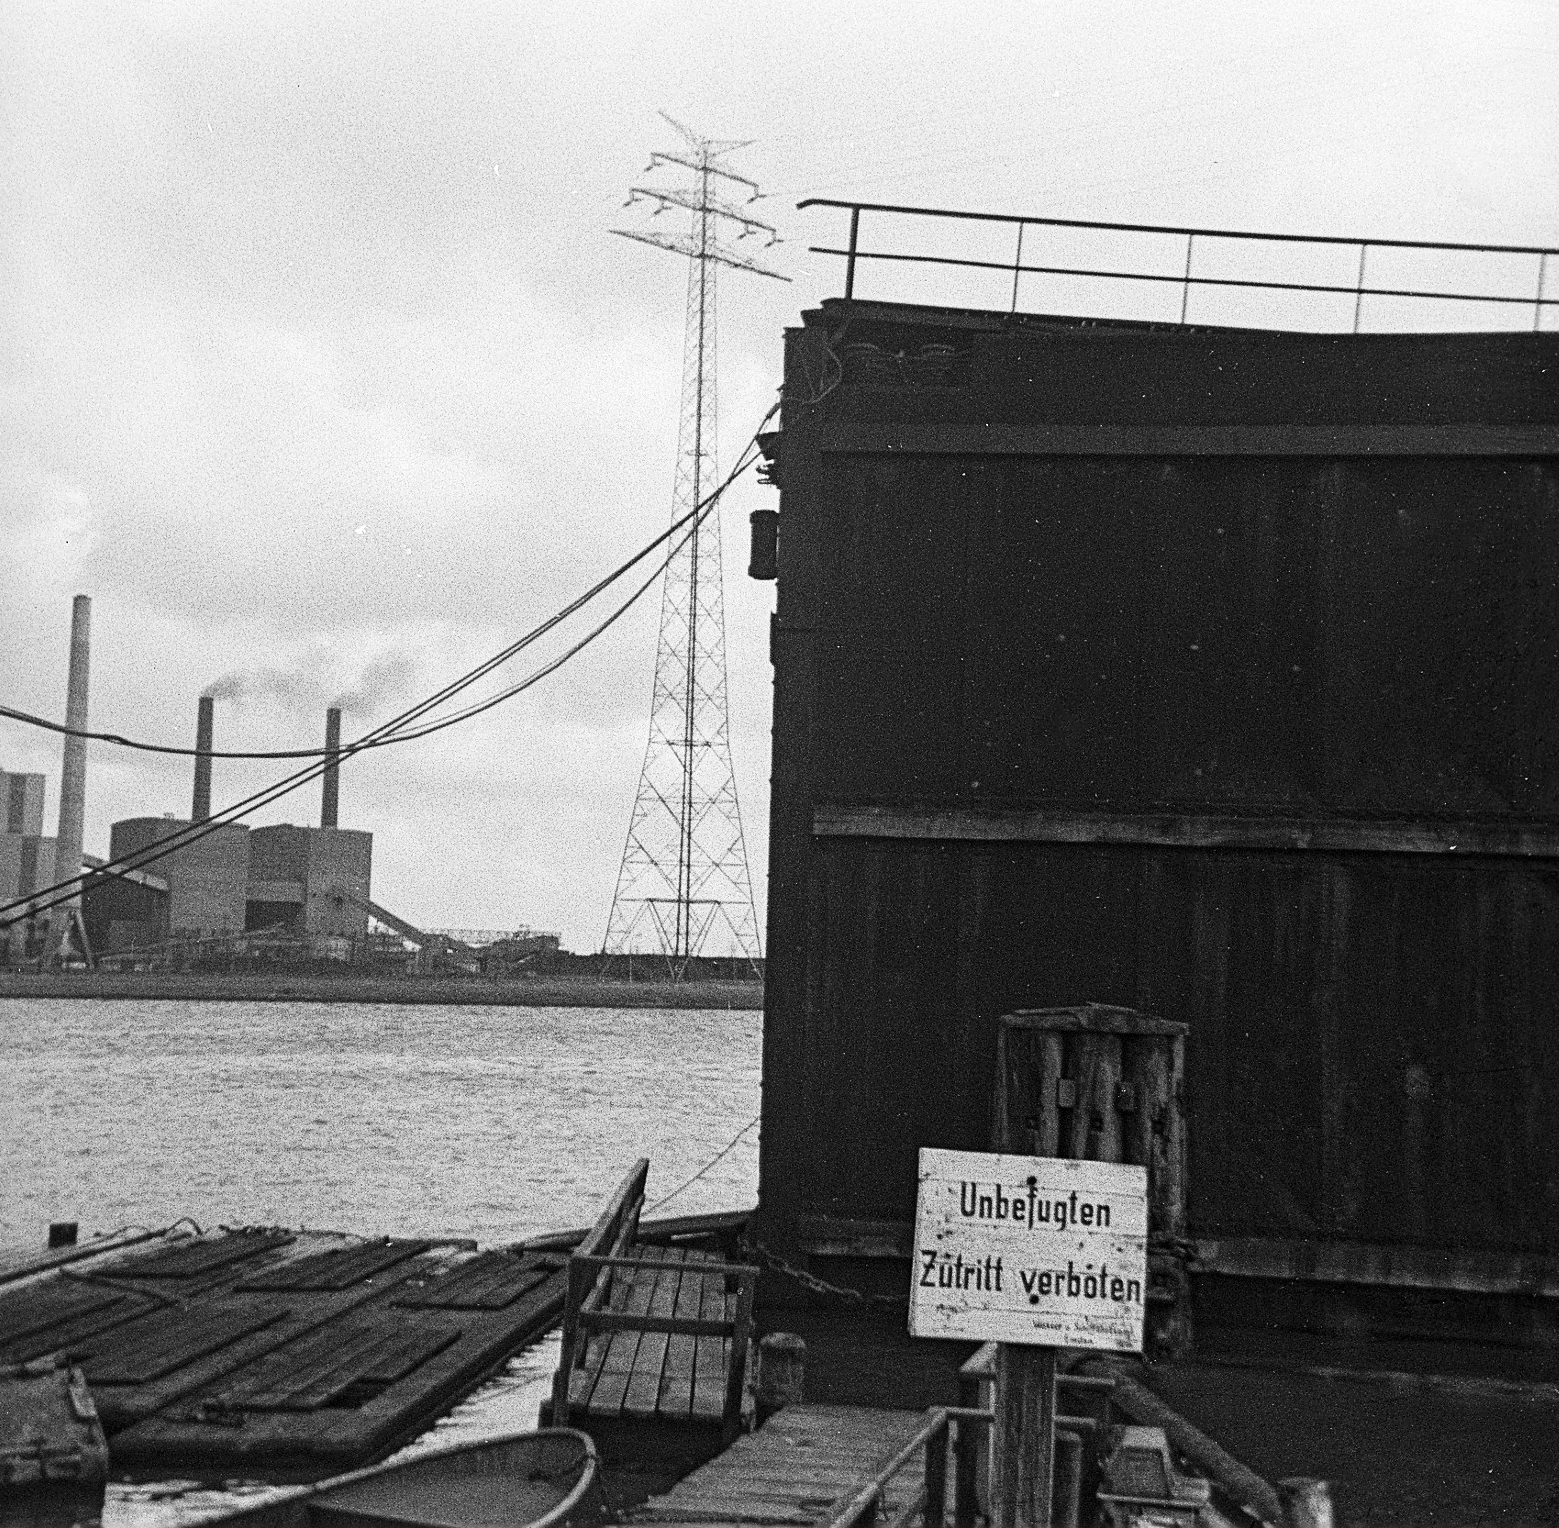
[792, 1471]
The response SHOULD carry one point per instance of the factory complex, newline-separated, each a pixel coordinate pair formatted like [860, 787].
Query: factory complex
[197, 892]
[171, 886]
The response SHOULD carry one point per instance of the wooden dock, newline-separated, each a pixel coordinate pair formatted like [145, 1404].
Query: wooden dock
[794, 1471]
[278, 1350]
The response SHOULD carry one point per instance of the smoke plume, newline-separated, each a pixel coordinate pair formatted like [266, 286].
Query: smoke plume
[284, 687]
[383, 680]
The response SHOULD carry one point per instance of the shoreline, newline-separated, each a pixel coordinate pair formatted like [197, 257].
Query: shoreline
[511, 992]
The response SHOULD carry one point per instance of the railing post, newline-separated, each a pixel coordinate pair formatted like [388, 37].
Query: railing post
[1537, 307]
[936, 1475]
[849, 269]
[1185, 286]
[1017, 267]
[974, 1445]
[1358, 300]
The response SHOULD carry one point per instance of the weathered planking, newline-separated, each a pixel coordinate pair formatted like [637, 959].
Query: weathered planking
[38, 1307]
[338, 1268]
[169, 1339]
[611, 1386]
[327, 1365]
[797, 1466]
[205, 1254]
[675, 1401]
[489, 1281]
[370, 1375]
[1201, 735]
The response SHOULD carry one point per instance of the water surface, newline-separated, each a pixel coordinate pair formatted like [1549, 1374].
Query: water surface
[491, 1123]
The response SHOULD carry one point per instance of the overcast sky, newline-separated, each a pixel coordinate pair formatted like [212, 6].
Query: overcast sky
[319, 362]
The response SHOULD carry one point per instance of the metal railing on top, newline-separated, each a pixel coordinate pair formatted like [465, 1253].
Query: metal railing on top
[1185, 280]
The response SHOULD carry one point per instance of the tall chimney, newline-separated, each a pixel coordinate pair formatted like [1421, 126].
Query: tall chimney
[331, 790]
[73, 763]
[200, 807]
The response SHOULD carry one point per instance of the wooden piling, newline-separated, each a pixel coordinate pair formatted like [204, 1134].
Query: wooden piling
[1306, 1503]
[1025, 1436]
[782, 1373]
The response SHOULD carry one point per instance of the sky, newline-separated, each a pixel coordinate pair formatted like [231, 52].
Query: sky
[322, 374]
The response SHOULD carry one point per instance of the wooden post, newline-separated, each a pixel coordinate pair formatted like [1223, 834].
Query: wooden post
[1068, 1493]
[1306, 1503]
[972, 1451]
[782, 1373]
[935, 1510]
[1025, 1436]
[1106, 1084]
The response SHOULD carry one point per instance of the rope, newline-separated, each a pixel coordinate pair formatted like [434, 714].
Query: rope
[724, 1151]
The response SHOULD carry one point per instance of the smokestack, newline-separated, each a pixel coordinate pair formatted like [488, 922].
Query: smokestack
[200, 807]
[73, 763]
[331, 790]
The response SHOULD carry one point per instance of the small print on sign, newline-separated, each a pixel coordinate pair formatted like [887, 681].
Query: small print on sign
[1041, 1250]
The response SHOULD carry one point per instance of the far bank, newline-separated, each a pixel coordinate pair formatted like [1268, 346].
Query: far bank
[533, 992]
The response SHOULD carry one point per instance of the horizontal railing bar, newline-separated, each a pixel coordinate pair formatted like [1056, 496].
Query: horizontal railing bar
[739, 1270]
[1220, 281]
[1200, 233]
[627, 1321]
[865, 1499]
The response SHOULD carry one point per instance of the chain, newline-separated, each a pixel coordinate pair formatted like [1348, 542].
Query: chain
[810, 1281]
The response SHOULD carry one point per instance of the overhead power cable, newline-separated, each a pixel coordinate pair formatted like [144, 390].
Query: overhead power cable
[397, 729]
[28, 719]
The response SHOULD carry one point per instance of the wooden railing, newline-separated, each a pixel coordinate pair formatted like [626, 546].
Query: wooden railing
[611, 1236]
[940, 1434]
[591, 1315]
[976, 1376]
[606, 1251]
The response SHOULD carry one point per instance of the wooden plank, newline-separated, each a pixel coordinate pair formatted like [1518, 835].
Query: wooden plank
[794, 1470]
[489, 1281]
[44, 1262]
[331, 1364]
[1510, 840]
[50, 1303]
[653, 1325]
[203, 1254]
[338, 1268]
[928, 438]
[158, 1344]
[583, 1376]
[709, 1353]
[1095, 1133]
[642, 1396]
[1462, 1270]
[611, 1385]
[675, 1402]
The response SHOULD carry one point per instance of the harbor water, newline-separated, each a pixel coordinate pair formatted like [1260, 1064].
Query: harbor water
[492, 1123]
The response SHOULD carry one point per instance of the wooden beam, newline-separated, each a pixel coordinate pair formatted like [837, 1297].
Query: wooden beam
[1454, 1270]
[1169, 830]
[1325, 440]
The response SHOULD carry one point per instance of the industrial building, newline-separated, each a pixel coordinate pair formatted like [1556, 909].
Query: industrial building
[1205, 672]
[26, 858]
[306, 884]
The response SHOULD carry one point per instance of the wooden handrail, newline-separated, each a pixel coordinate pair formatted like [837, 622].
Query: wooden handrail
[631, 1189]
[612, 1234]
[932, 1431]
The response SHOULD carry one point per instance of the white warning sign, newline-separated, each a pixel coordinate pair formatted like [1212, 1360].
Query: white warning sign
[1041, 1250]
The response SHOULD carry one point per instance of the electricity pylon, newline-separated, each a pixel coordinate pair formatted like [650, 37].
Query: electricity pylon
[684, 878]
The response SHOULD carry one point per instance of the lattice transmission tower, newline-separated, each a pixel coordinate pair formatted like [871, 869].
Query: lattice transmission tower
[684, 879]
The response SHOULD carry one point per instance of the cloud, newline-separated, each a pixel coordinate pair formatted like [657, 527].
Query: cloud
[320, 371]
